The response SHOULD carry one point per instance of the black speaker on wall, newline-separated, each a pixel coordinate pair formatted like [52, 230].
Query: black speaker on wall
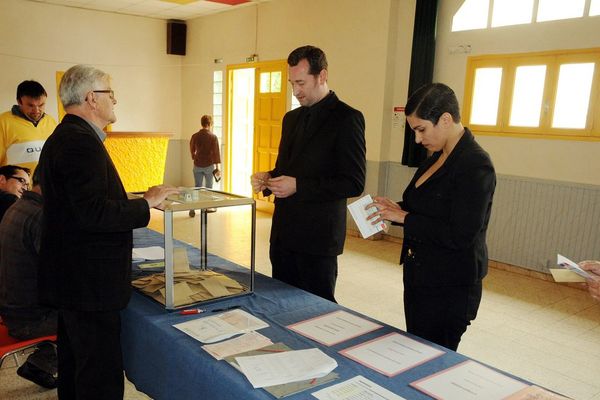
[176, 31]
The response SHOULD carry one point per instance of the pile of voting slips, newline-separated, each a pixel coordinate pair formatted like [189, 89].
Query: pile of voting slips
[189, 287]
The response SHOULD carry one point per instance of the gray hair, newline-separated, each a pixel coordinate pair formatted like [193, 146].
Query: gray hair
[77, 82]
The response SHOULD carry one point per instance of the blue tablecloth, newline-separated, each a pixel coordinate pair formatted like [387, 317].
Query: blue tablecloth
[167, 364]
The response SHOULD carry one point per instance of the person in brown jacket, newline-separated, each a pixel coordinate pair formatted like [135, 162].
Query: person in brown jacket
[204, 148]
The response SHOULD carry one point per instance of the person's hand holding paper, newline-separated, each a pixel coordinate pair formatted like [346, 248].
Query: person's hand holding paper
[361, 212]
[386, 210]
[593, 282]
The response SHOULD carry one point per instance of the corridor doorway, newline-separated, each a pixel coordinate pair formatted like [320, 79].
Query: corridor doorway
[241, 129]
[257, 101]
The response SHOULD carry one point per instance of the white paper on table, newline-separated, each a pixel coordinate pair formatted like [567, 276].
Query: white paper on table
[285, 367]
[572, 266]
[392, 354]
[357, 388]
[148, 253]
[334, 328]
[219, 327]
[359, 214]
[247, 342]
[468, 380]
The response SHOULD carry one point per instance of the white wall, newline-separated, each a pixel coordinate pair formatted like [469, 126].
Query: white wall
[368, 49]
[563, 160]
[40, 39]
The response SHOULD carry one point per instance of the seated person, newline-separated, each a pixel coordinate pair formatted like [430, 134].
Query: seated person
[20, 232]
[14, 180]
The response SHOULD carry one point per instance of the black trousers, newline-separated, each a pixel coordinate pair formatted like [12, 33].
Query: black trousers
[90, 362]
[315, 274]
[441, 314]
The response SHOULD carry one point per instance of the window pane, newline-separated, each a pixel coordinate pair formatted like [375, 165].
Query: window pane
[265, 82]
[573, 95]
[218, 76]
[295, 102]
[217, 109]
[217, 120]
[512, 12]
[275, 81]
[550, 10]
[527, 95]
[217, 98]
[473, 14]
[217, 87]
[595, 8]
[486, 94]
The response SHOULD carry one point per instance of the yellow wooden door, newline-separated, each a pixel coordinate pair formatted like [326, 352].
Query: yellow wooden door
[270, 103]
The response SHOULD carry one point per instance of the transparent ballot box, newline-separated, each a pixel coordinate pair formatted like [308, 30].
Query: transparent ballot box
[193, 273]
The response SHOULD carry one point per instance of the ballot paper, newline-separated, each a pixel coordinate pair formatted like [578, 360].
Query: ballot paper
[333, 328]
[357, 388]
[285, 367]
[286, 389]
[392, 354]
[219, 327]
[148, 253]
[571, 266]
[468, 380]
[359, 214]
[246, 342]
[565, 275]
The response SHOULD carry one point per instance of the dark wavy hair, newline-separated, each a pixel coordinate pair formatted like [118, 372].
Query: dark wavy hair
[10, 170]
[30, 88]
[315, 56]
[430, 101]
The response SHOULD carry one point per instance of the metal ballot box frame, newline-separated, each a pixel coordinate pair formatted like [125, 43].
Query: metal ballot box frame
[200, 198]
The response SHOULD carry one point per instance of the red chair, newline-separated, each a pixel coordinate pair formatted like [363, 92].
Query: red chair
[10, 346]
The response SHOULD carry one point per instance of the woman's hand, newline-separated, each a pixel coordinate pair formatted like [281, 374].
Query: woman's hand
[386, 210]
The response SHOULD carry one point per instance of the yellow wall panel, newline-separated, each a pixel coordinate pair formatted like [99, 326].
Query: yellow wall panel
[139, 158]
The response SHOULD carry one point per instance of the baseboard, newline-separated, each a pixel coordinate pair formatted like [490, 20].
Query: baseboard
[515, 269]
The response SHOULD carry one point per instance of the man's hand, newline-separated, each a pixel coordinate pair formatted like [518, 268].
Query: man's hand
[156, 194]
[259, 181]
[283, 186]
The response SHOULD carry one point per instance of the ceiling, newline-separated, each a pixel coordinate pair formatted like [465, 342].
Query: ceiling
[160, 9]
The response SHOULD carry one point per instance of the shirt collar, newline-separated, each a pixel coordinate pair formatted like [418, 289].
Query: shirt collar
[16, 110]
[320, 104]
[101, 134]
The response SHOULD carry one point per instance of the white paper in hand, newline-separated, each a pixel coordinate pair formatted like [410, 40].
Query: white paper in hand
[359, 214]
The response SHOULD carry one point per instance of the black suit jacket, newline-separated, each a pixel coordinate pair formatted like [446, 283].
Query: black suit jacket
[327, 158]
[87, 223]
[444, 232]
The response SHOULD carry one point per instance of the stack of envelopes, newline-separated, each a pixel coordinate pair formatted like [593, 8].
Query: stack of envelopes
[190, 286]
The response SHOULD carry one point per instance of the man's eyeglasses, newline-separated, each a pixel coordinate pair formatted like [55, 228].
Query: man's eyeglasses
[21, 180]
[110, 92]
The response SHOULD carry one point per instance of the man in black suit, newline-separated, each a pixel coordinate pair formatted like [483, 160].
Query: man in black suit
[321, 162]
[87, 238]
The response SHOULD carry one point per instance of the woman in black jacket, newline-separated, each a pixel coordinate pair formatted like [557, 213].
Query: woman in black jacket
[445, 212]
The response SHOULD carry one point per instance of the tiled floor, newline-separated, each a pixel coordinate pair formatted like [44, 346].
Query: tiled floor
[539, 330]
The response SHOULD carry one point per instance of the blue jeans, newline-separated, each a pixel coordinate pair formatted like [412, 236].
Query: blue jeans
[205, 174]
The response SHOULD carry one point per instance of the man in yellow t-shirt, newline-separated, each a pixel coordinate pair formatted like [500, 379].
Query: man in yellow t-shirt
[25, 128]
